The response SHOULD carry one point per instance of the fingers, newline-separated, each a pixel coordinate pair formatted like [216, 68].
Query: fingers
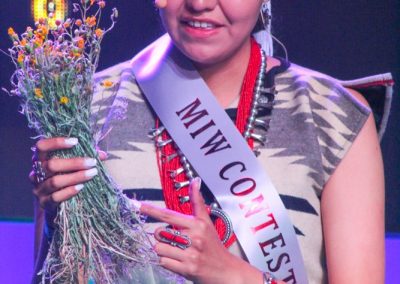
[102, 155]
[59, 166]
[197, 201]
[61, 181]
[173, 265]
[167, 216]
[51, 201]
[62, 187]
[68, 165]
[44, 146]
[166, 250]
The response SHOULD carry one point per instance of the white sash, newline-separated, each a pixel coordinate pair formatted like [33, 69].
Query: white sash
[222, 158]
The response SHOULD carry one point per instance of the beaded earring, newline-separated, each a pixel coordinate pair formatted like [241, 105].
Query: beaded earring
[265, 13]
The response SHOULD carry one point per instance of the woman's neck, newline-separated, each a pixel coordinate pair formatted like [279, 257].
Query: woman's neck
[225, 78]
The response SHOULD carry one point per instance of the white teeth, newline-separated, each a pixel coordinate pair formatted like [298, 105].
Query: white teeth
[201, 25]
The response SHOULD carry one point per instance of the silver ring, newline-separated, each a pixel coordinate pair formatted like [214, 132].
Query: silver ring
[40, 174]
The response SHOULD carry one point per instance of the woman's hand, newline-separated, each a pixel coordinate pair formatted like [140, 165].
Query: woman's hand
[64, 178]
[206, 260]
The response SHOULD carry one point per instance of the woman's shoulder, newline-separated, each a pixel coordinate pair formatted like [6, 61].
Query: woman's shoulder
[116, 81]
[322, 90]
[112, 73]
[364, 94]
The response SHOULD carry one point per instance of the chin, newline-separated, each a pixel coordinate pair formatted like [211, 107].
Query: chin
[207, 55]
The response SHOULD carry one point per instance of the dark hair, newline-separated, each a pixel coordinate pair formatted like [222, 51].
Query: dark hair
[259, 26]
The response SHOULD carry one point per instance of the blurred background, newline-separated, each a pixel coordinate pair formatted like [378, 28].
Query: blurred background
[345, 39]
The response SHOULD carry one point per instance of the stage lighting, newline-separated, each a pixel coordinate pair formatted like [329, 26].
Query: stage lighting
[42, 9]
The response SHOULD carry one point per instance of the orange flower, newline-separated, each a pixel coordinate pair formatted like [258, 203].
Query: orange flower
[80, 43]
[38, 93]
[11, 31]
[92, 2]
[66, 25]
[64, 100]
[38, 41]
[99, 33]
[78, 22]
[107, 83]
[42, 31]
[91, 21]
[23, 42]
[20, 58]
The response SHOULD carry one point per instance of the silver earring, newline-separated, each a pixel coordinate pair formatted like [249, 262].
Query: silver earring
[265, 15]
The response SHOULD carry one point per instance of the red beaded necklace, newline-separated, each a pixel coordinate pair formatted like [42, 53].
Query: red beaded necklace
[167, 166]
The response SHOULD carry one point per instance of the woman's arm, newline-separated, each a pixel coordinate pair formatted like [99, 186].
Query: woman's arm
[353, 212]
[40, 243]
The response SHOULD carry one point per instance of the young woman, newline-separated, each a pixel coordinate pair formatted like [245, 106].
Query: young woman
[322, 156]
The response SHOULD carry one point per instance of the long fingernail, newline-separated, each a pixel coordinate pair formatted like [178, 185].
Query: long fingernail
[91, 172]
[71, 141]
[79, 187]
[89, 162]
[197, 181]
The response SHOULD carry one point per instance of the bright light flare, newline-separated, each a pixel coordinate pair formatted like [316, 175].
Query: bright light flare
[42, 9]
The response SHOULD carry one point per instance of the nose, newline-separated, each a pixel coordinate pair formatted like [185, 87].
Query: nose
[201, 5]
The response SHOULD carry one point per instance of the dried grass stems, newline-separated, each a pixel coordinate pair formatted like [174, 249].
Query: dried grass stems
[97, 235]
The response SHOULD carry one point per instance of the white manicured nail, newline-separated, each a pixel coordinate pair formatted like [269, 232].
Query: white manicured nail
[91, 172]
[79, 187]
[89, 162]
[71, 141]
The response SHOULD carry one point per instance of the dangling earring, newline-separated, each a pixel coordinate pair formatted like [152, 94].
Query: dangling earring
[263, 36]
[161, 4]
[267, 42]
[265, 13]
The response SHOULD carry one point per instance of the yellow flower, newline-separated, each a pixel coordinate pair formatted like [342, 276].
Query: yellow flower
[64, 100]
[99, 33]
[107, 84]
[38, 93]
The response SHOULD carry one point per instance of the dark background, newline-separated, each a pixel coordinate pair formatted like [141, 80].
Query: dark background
[346, 39]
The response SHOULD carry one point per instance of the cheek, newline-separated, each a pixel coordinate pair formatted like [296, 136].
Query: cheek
[169, 15]
[242, 12]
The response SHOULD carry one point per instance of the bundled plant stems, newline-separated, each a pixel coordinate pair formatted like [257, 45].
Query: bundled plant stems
[97, 237]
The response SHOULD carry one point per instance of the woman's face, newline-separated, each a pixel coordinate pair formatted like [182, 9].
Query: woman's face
[210, 31]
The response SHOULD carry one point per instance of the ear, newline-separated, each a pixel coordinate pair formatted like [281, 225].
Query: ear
[161, 4]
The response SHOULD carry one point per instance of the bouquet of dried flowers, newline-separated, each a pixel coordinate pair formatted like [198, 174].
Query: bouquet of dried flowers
[97, 235]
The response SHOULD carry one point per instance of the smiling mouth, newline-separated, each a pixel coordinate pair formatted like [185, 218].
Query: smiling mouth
[200, 25]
